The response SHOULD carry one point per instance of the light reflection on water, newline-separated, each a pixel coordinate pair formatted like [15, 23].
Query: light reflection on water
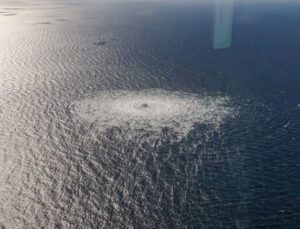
[58, 169]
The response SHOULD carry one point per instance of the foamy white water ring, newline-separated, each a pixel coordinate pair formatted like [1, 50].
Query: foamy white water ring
[154, 110]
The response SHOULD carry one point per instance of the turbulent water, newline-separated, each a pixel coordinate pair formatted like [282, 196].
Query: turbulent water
[121, 115]
[153, 110]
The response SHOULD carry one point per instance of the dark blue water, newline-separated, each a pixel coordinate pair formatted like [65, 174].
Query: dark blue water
[235, 165]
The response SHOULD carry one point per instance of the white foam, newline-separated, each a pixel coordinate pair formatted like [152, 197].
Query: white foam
[153, 110]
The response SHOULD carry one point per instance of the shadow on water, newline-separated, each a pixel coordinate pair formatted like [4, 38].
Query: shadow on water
[43, 23]
[101, 43]
[62, 19]
[9, 14]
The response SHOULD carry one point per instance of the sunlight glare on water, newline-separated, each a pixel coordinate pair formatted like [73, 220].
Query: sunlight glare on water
[121, 114]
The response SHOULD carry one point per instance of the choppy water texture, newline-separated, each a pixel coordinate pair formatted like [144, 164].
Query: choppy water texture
[121, 115]
[154, 110]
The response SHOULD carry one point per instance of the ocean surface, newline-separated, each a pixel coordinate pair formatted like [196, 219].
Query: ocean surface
[120, 114]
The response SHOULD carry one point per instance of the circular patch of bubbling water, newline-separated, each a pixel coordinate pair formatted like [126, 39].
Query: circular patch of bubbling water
[154, 110]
